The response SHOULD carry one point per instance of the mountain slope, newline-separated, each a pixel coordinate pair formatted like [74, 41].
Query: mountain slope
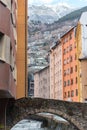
[73, 15]
[62, 9]
[72, 18]
[47, 14]
[43, 35]
[42, 13]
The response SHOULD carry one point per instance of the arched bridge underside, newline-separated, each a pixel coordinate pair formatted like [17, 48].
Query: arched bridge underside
[75, 113]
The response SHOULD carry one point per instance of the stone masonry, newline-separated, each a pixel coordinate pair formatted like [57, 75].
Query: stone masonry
[75, 113]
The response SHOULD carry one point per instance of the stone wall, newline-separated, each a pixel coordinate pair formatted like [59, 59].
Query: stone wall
[75, 113]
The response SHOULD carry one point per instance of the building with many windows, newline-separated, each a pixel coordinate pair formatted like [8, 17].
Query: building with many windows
[70, 66]
[13, 54]
[68, 63]
[64, 68]
[56, 89]
[8, 46]
[13, 44]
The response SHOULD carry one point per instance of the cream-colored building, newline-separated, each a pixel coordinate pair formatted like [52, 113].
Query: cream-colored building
[81, 37]
[42, 83]
[56, 90]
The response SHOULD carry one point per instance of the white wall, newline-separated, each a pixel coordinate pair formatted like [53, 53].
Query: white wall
[83, 22]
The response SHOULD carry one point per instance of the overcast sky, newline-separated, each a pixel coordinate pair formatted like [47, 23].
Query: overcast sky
[72, 3]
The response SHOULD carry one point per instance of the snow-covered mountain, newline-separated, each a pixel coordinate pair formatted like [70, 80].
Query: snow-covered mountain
[42, 13]
[47, 14]
[62, 9]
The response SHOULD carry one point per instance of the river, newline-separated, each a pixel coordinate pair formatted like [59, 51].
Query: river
[53, 123]
[28, 125]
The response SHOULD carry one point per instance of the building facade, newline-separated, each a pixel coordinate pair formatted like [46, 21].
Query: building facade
[70, 66]
[71, 70]
[81, 38]
[42, 83]
[13, 58]
[13, 46]
[8, 42]
[56, 89]
[30, 84]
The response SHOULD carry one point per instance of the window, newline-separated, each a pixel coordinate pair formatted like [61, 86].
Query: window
[65, 95]
[71, 59]
[68, 82]
[76, 80]
[71, 70]
[68, 93]
[72, 93]
[75, 68]
[67, 49]
[64, 72]
[76, 92]
[64, 83]
[71, 81]
[67, 60]
[70, 48]
[68, 71]
[66, 39]
[64, 51]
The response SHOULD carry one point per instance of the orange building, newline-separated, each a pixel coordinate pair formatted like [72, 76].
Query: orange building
[70, 62]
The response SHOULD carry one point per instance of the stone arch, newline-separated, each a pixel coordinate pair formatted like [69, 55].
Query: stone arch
[35, 111]
[24, 107]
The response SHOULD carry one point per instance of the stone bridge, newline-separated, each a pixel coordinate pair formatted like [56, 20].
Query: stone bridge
[75, 113]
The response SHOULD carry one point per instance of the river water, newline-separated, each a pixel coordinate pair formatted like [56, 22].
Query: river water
[28, 125]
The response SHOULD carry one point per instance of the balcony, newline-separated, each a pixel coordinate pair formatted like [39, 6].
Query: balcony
[7, 83]
[4, 20]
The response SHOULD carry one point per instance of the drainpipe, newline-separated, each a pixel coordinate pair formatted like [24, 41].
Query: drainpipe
[26, 74]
